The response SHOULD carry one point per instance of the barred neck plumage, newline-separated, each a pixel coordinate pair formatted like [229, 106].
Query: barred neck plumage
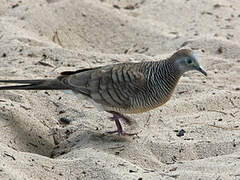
[164, 70]
[162, 79]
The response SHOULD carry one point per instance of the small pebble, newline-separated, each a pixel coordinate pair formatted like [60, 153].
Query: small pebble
[4, 55]
[15, 5]
[61, 112]
[220, 50]
[181, 133]
[132, 171]
[64, 120]
[116, 6]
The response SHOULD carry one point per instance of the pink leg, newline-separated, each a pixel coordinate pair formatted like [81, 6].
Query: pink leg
[116, 117]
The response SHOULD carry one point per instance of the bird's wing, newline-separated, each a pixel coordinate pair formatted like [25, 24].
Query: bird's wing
[112, 85]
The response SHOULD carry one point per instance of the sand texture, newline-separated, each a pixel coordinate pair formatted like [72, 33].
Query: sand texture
[196, 135]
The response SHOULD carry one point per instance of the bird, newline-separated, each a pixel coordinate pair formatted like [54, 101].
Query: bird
[123, 88]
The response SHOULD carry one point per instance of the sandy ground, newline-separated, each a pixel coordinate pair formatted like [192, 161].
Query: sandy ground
[39, 39]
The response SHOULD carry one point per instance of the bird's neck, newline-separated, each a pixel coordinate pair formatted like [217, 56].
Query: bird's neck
[164, 78]
[166, 71]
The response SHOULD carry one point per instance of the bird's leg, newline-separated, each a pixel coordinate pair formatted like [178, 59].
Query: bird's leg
[121, 116]
[116, 117]
[117, 122]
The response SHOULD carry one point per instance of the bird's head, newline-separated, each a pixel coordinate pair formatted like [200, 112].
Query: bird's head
[185, 60]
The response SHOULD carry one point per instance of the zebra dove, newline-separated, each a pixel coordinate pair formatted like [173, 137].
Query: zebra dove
[121, 88]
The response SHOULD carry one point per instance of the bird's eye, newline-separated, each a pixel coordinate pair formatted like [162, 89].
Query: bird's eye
[188, 61]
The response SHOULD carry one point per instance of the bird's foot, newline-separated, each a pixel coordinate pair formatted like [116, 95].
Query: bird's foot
[121, 133]
[116, 117]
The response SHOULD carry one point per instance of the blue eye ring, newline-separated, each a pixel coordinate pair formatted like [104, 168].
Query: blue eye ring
[188, 61]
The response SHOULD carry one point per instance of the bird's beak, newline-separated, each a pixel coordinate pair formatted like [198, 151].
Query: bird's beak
[201, 70]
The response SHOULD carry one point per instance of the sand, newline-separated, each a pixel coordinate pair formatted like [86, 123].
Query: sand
[196, 135]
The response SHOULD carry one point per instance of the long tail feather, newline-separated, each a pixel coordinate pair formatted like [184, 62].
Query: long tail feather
[41, 84]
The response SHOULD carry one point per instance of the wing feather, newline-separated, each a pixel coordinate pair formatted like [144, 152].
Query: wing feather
[111, 86]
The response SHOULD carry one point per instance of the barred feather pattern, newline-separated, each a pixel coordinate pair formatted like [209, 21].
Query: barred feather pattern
[161, 80]
[124, 88]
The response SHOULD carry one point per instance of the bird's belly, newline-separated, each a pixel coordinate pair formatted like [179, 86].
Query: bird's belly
[142, 109]
[134, 109]
[147, 107]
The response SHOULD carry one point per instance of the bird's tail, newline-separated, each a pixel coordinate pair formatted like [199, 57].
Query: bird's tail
[41, 84]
